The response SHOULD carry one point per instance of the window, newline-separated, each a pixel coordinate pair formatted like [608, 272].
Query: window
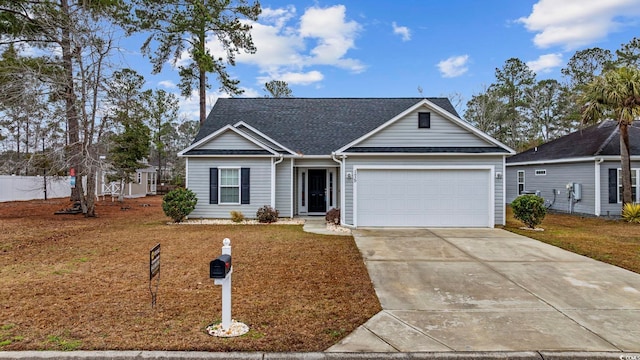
[634, 185]
[229, 186]
[424, 120]
[520, 182]
[139, 177]
[541, 172]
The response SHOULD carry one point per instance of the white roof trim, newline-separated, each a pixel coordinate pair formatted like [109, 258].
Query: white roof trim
[242, 123]
[572, 160]
[423, 154]
[221, 131]
[439, 110]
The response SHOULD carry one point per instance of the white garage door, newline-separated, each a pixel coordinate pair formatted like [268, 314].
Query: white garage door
[419, 197]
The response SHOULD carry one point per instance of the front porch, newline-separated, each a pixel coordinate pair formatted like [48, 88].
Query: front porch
[316, 189]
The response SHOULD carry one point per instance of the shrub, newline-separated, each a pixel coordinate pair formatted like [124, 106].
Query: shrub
[179, 203]
[237, 216]
[631, 212]
[333, 216]
[267, 214]
[529, 209]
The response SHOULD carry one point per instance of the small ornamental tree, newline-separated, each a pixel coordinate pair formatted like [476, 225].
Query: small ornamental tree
[179, 203]
[529, 209]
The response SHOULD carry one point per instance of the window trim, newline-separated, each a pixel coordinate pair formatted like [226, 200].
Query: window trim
[424, 120]
[238, 186]
[541, 172]
[619, 184]
[518, 182]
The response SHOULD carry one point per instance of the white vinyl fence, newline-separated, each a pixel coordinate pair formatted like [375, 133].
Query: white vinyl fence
[18, 188]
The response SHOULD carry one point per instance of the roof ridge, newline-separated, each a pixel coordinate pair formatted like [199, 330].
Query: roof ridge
[608, 140]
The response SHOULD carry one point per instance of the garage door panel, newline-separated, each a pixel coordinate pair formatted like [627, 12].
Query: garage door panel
[438, 198]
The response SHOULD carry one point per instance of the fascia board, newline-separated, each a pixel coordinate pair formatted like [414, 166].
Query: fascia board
[352, 154]
[439, 110]
[556, 161]
[242, 123]
[222, 130]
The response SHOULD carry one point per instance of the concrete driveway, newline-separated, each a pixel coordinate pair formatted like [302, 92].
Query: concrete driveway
[491, 290]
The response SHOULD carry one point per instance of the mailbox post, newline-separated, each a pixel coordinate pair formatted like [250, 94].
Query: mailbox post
[220, 270]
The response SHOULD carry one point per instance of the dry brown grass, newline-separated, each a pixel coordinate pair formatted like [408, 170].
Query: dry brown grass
[612, 241]
[73, 283]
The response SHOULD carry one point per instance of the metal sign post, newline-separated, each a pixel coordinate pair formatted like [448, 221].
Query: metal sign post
[154, 270]
[221, 270]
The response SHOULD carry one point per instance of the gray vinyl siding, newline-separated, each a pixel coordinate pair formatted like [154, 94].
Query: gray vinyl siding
[557, 177]
[608, 209]
[229, 141]
[496, 161]
[284, 188]
[405, 132]
[198, 182]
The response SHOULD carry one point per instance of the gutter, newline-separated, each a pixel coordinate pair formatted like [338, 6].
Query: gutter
[342, 162]
[273, 179]
[598, 192]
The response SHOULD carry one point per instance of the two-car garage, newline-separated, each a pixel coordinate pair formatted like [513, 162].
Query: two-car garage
[424, 197]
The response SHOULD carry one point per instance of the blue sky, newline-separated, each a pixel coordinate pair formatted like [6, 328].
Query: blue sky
[364, 48]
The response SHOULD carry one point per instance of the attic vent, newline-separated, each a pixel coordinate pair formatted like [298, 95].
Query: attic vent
[424, 120]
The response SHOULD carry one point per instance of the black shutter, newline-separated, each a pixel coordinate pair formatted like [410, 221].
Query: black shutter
[613, 186]
[244, 185]
[213, 185]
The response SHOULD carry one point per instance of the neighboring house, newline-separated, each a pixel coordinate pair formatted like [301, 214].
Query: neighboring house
[144, 183]
[589, 158]
[382, 161]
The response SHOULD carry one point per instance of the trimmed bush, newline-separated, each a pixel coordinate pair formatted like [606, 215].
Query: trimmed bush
[333, 216]
[237, 216]
[179, 203]
[267, 214]
[631, 212]
[529, 209]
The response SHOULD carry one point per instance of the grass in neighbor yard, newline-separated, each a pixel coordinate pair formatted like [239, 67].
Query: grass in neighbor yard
[71, 283]
[612, 241]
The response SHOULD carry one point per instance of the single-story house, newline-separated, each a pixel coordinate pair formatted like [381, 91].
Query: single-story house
[381, 161]
[579, 172]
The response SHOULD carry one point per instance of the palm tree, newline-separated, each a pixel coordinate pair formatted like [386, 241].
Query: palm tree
[616, 94]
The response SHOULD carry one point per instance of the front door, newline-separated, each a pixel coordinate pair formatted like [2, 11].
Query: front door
[317, 187]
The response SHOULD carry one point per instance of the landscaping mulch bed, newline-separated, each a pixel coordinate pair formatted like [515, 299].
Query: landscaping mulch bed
[71, 283]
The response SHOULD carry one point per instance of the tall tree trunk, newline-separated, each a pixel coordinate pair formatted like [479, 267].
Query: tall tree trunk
[625, 161]
[75, 147]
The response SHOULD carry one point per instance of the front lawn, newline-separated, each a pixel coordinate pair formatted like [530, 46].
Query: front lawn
[70, 283]
[612, 241]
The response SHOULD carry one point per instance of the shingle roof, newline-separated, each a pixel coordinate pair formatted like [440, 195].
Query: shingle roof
[602, 139]
[311, 126]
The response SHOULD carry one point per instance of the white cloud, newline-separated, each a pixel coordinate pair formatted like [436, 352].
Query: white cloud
[403, 31]
[286, 48]
[168, 84]
[575, 23]
[295, 78]
[334, 36]
[545, 63]
[454, 66]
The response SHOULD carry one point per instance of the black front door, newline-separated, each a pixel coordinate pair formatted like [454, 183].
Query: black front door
[317, 186]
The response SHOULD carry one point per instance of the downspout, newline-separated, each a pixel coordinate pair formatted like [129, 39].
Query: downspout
[273, 179]
[598, 192]
[342, 189]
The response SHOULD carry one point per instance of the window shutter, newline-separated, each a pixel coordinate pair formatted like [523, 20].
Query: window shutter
[613, 186]
[244, 185]
[213, 185]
